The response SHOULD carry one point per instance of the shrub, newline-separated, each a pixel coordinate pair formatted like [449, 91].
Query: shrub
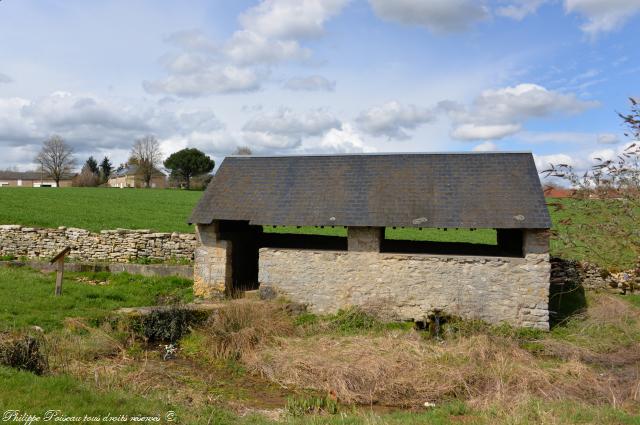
[167, 325]
[353, 320]
[24, 352]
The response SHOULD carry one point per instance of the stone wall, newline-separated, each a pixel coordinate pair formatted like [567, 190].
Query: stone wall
[114, 246]
[212, 266]
[414, 286]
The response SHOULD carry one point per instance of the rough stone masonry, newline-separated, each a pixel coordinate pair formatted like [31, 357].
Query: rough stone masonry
[114, 246]
[414, 286]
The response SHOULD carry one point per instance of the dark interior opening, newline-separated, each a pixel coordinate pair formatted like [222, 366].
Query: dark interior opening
[246, 241]
[508, 244]
[300, 241]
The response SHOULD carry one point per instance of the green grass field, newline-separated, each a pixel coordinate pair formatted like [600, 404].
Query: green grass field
[98, 209]
[28, 296]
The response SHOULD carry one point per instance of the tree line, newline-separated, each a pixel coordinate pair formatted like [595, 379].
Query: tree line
[56, 158]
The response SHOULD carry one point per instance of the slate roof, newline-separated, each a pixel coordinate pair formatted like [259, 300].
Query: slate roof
[464, 190]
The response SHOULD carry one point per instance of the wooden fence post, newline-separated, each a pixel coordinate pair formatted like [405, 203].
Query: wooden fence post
[59, 258]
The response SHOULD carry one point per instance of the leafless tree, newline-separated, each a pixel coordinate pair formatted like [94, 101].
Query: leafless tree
[55, 158]
[87, 178]
[146, 154]
[243, 150]
[600, 222]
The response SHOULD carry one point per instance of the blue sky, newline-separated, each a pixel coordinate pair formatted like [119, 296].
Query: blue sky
[318, 76]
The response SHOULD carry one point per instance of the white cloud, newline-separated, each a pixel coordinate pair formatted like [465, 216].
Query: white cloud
[270, 142]
[62, 111]
[287, 19]
[15, 130]
[193, 40]
[285, 121]
[485, 147]
[268, 36]
[519, 9]
[94, 125]
[502, 112]
[286, 129]
[608, 139]
[603, 15]
[609, 154]
[544, 162]
[603, 155]
[5, 79]
[484, 132]
[342, 140]
[250, 48]
[209, 80]
[311, 83]
[214, 143]
[526, 101]
[436, 15]
[394, 120]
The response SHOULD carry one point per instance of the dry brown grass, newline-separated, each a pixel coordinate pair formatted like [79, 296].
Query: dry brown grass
[78, 344]
[403, 370]
[243, 325]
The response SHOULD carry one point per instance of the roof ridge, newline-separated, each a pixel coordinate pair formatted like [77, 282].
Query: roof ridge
[380, 154]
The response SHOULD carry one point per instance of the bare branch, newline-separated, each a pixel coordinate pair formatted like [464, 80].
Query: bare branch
[56, 158]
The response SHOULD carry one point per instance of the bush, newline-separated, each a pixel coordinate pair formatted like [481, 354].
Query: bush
[168, 325]
[24, 352]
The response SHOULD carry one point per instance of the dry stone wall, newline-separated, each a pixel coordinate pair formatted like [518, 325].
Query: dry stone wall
[114, 246]
[413, 286]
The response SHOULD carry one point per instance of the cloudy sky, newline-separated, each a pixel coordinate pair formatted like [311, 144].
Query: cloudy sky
[318, 76]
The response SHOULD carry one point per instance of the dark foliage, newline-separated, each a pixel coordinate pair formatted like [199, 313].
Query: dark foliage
[92, 165]
[24, 352]
[187, 163]
[169, 325]
[105, 169]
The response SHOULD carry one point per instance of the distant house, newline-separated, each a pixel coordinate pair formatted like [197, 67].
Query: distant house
[32, 179]
[131, 176]
[558, 192]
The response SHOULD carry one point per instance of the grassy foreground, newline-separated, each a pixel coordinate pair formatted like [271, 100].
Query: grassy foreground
[263, 363]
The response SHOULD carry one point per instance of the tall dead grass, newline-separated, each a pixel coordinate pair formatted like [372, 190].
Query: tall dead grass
[242, 326]
[77, 345]
[403, 369]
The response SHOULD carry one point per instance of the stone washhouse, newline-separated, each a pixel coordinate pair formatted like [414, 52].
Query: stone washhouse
[507, 281]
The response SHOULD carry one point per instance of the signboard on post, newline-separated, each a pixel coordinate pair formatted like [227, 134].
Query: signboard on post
[59, 258]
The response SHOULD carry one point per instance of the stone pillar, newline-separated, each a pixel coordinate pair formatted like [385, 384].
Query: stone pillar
[212, 271]
[535, 241]
[365, 239]
[535, 247]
